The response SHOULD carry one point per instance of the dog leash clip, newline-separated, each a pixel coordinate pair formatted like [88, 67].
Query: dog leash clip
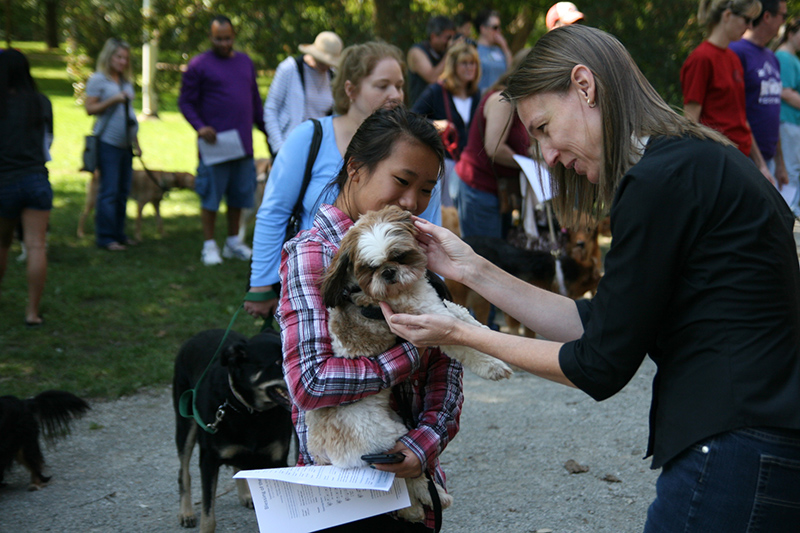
[218, 418]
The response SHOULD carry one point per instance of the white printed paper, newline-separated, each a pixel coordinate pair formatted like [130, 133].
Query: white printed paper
[227, 148]
[305, 499]
[538, 176]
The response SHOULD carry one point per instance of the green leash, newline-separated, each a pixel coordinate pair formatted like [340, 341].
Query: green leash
[187, 406]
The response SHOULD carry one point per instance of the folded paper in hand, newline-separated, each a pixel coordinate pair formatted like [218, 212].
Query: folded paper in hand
[309, 498]
[227, 148]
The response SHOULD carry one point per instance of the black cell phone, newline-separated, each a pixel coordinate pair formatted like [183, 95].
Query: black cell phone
[383, 458]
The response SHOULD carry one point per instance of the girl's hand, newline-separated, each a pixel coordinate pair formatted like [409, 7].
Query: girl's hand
[422, 330]
[448, 255]
[410, 467]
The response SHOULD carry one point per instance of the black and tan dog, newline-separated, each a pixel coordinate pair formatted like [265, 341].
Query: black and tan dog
[243, 394]
[21, 423]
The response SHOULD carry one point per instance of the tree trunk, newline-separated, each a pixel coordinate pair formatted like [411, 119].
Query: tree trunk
[51, 23]
[522, 25]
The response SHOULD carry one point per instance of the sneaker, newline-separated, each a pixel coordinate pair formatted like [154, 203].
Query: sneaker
[210, 256]
[236, 251]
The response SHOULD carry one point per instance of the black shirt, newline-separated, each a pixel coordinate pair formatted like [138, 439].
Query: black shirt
[416, 83]
[703, 276]
[22, 140]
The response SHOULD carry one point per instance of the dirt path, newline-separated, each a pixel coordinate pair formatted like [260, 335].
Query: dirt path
[118, 470]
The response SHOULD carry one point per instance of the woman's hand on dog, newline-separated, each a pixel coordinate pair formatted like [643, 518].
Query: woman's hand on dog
[410, 467]
[448, 255]
[423, 330]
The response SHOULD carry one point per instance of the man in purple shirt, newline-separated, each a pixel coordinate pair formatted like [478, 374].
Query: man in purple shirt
[219, 94]
[762, 78]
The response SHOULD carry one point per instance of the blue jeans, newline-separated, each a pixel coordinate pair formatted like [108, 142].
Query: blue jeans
[741, 481]
[478, 212]
[32, 191]
[116, 170]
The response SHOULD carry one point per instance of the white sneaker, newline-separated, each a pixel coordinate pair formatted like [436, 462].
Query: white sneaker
[236, 251]
[210, 255]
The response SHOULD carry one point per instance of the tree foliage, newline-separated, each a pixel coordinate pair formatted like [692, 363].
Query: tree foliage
[659, 35]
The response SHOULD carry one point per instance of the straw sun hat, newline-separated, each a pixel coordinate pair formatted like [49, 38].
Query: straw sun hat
[327, 48]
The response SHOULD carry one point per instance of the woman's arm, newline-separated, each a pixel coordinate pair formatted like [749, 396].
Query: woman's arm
[498, 114]
[692, 111]
[94, 106]
[548, 313]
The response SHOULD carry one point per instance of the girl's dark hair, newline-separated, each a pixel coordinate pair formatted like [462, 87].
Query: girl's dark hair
[375, 139]
[15, 75]
[791, 27]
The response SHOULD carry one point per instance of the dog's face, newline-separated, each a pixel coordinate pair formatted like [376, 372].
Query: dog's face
[255, 371]
[380, 254]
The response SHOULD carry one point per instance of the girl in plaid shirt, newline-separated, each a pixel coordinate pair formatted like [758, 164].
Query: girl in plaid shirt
[394, 158]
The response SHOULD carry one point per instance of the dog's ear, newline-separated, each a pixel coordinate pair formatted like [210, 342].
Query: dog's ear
[233, 355]
[335, 281]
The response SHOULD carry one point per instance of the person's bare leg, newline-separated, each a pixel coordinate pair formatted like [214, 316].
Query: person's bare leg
[208, 219]
[6, 234]
[233, 214]
[35, 224]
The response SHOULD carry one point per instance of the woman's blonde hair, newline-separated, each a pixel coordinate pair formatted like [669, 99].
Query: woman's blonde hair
[357, 62]
[630, 109]
[456, 53]
[709, 13]
[104, 59]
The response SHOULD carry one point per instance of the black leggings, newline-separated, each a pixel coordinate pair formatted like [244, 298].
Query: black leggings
[383, 523]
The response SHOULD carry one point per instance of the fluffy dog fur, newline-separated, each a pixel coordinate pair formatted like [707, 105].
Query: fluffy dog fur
[244, 386]
[380, 260]
[143, 190]
[22, 421]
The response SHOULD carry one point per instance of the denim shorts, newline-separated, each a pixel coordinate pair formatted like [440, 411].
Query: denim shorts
[741, 481]
[236, 180]
[31, 191]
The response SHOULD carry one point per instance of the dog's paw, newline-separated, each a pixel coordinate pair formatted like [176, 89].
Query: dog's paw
[187, 520]
[415, 513]
[246, 501]
[494, 369]
[487, 367]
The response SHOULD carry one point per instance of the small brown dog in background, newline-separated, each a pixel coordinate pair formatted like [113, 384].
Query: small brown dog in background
[144, 190]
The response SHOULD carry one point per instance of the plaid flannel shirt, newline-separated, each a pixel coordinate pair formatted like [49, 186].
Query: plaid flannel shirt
[429, 383]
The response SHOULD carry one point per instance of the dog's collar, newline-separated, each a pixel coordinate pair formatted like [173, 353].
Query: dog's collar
[250, 408]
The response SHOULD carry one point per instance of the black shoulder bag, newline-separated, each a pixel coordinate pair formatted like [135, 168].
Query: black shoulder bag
[293, 226]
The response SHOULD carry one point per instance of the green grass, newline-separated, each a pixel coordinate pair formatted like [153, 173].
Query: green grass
[114, 321]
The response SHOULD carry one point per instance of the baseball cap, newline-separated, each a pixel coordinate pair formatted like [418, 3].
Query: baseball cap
[563, 12]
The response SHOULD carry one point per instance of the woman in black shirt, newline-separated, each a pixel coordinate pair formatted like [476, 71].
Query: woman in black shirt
[702, 276]
[26, 129]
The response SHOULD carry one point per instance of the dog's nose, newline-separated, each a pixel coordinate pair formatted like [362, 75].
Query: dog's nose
[389, 275]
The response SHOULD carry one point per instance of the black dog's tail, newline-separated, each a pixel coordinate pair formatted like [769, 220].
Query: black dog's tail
[54, 410]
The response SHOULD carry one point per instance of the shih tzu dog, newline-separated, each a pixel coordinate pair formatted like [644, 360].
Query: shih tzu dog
[380, 260]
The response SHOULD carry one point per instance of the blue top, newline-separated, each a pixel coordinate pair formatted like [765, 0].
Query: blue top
[112, 122]
[493, 65]
[790, 77]
[283, 188]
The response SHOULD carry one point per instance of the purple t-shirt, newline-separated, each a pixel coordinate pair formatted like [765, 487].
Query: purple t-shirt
[762, 88]
[222, 92]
